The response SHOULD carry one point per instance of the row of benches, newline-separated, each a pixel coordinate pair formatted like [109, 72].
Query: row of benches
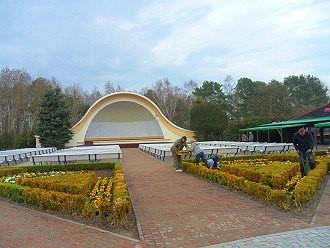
[13, 157]
[80, 154]
[51, 155]
[159, 151]
[253, 147]
[162, 151]
[266, 148]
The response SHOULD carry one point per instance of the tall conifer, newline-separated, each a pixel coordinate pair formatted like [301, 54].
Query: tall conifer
[54, 120]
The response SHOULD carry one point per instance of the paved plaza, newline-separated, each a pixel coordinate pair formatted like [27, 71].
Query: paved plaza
[173, 210]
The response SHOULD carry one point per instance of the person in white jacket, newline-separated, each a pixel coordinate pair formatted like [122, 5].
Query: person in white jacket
[197, 152]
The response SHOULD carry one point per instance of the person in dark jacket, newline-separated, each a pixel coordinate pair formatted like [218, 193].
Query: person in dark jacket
[303, 142]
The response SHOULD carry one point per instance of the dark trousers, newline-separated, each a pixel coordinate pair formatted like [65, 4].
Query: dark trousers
[306, 161]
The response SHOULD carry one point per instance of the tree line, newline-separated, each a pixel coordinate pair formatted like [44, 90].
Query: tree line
[215, 110]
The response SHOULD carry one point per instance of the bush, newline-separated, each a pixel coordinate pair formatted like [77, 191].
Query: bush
[275, 174]
[284, 157]
[121, 200]
[68, 203]
[308, 185]
[11, 191]
[277, 183]
[70, 193]
[14, 170]
[81, 183]
[280, 198]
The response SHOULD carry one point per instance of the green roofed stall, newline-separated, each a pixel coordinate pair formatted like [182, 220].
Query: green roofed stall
[300, 121]
[322, 124]
[271, 128]
[265, 128]
[317, 122]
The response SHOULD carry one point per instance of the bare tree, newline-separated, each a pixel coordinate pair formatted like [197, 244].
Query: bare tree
[173, 101]
[91, 97]
[110, 88]
[166, 97]
[74, 90]
[229, 85]
[74, 97]
[13, 100]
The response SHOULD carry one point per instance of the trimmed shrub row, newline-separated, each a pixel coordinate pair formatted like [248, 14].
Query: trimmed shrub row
[14, 170]
[275, 175]
[121, 200]
[302, 193]
[72, 193]
[306, 188]
[81, 183]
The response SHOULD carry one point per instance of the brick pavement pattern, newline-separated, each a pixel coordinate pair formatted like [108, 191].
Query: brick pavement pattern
[181, 210]
[307, 238]
[322, 215]
[23, 227]
[172, 209]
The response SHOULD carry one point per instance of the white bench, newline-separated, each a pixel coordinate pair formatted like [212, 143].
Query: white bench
[91, 154]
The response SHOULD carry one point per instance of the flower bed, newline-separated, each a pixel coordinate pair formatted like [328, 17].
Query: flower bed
[73, 189]
[271, 173]
[71, 183]
[267, 178]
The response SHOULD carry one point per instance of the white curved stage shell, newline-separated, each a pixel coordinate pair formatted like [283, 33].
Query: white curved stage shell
[125, 118]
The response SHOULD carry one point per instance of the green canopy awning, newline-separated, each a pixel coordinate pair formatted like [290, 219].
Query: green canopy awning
[290, 123]
[299, 121]
[275, 127]
[322, 124]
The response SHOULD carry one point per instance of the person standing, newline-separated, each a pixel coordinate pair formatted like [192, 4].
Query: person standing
[251, 137]
[197, 152]
[176, 147]
[303, 142]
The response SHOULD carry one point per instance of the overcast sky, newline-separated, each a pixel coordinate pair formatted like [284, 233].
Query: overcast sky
[135, 43]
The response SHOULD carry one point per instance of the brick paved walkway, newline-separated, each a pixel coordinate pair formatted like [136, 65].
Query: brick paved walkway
[322, 215]
[178, 209]
[24, 227]
[172, 209]
[317, 237]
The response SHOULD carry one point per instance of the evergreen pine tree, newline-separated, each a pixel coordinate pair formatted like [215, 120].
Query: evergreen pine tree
[54, 120]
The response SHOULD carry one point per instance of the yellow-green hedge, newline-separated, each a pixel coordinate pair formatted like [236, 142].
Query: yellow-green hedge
[60, 193]
[308, 185]
[284, 157]
[68, 203]
[275, 175]
[258, 190]
[121, 200]
[303, 192]
[54, 200]
[14, 170]
[81, 183]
